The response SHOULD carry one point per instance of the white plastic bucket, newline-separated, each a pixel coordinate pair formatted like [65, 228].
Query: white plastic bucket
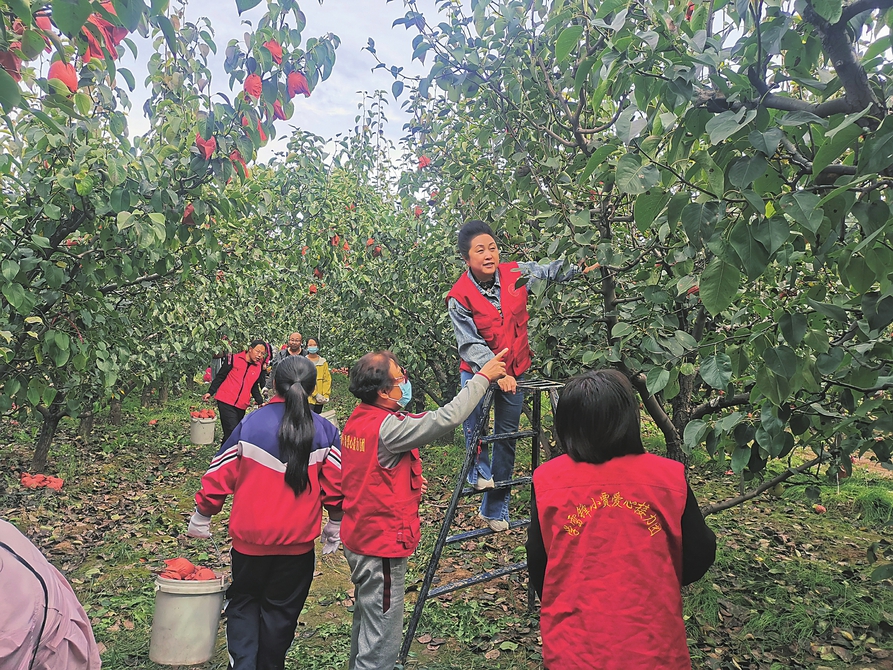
[201, 431]
[331, 417]
[187, 615]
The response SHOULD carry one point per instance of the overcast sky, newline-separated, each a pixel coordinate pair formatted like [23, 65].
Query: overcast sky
[333, 106]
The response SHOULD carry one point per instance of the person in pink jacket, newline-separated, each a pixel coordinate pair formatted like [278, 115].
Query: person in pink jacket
[42, 624]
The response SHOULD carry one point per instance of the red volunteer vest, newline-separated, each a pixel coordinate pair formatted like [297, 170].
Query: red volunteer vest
[613, 536]
[381, 506]
[499, 331]
[236, 388]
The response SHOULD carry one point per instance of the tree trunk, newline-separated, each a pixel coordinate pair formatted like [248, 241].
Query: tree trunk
[115, 414]
[51, 417]
[86, 426]
[681, 406]
[164, 391]
[147, 396]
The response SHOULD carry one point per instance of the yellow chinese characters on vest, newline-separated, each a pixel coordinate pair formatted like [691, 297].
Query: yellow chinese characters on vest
[584, 511]
[353, 443]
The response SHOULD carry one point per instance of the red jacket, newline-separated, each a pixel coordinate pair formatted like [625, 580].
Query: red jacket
[267, 517]
[499, 330]
[236, 388]
[381, 505]
[613, 536]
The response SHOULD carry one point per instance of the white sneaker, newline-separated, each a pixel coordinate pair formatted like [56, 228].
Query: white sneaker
[484, 484]
[496, 525]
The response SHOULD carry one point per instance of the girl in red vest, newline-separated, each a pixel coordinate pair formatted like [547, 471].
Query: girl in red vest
[613, 536]
[239, 380]
[489, 313]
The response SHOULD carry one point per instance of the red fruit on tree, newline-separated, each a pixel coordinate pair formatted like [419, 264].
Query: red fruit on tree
[278, 112]
[304, 250]
[370, 242]
[253, 86]
[424, 162]
[346, 247]
[335, 240]
[417, 212]
[18, 27]
[296, 83]
[317, 273]
[275, 50]
[376, 252]
[206, 147]
[11, 63]
[65, 73]
[187, 215]
[312, 289]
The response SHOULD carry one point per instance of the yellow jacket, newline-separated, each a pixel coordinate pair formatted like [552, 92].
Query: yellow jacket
[323, 380]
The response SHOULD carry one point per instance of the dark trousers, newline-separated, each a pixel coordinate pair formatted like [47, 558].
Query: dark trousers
[229, 418]
[265, 599]
[317, 409]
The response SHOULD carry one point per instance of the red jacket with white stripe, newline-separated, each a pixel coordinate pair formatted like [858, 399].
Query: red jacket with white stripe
[267, 517]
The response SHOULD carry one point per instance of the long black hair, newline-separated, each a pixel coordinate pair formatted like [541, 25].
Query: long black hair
[294, 380]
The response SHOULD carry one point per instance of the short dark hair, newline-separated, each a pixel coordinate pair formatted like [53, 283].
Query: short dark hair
[255, 343]
[469, 231]
[598, 417]
[371, 374]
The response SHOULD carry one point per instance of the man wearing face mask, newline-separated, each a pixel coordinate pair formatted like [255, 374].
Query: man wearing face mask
[383, 484]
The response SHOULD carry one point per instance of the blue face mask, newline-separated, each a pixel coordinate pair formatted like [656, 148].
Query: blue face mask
[405, 393]
[312, 350]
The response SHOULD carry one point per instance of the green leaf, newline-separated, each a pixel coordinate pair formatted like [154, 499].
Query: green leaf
[397, 89]
[781, 360]
[694, 432]
[740, 459]
[656, 380]
[793, 327]
[22, 9]
[621, 329]
[877, 152]
[32, 44]
[245, 5]
[772, 233]
[723, 126]
[10, 93]
[9, 269]
[829, 10]
[595, 160]
[699, 220]
[882, 572]
[803, 208]
[831, 311]
[745, 170]
[70, 15]
[833, 147]
[633, 177]
[167, 28]
[753, 255]
[83, 102]
[829, 362]
[567, 40]
[878, 311]
[775, 388]
[130, 12]
[719, 285]
[716, 371]
[647, 206]
[766, 142]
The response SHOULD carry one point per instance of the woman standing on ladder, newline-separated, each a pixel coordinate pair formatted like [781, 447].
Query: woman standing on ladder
[489, 313]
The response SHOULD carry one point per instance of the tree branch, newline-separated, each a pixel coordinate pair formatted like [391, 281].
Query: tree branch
[719, 403]
[765, 486]
[854, 9]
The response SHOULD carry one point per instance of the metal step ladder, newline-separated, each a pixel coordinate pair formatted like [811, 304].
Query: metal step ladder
[536, 387]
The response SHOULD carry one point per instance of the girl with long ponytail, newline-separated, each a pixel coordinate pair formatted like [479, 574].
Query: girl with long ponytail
[282, 465]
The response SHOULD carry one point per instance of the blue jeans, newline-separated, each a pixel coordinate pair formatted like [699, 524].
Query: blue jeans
[506, 417]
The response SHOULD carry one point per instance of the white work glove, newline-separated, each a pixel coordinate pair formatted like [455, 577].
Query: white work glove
[199, 525]
[320, 398]
[331, 536]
